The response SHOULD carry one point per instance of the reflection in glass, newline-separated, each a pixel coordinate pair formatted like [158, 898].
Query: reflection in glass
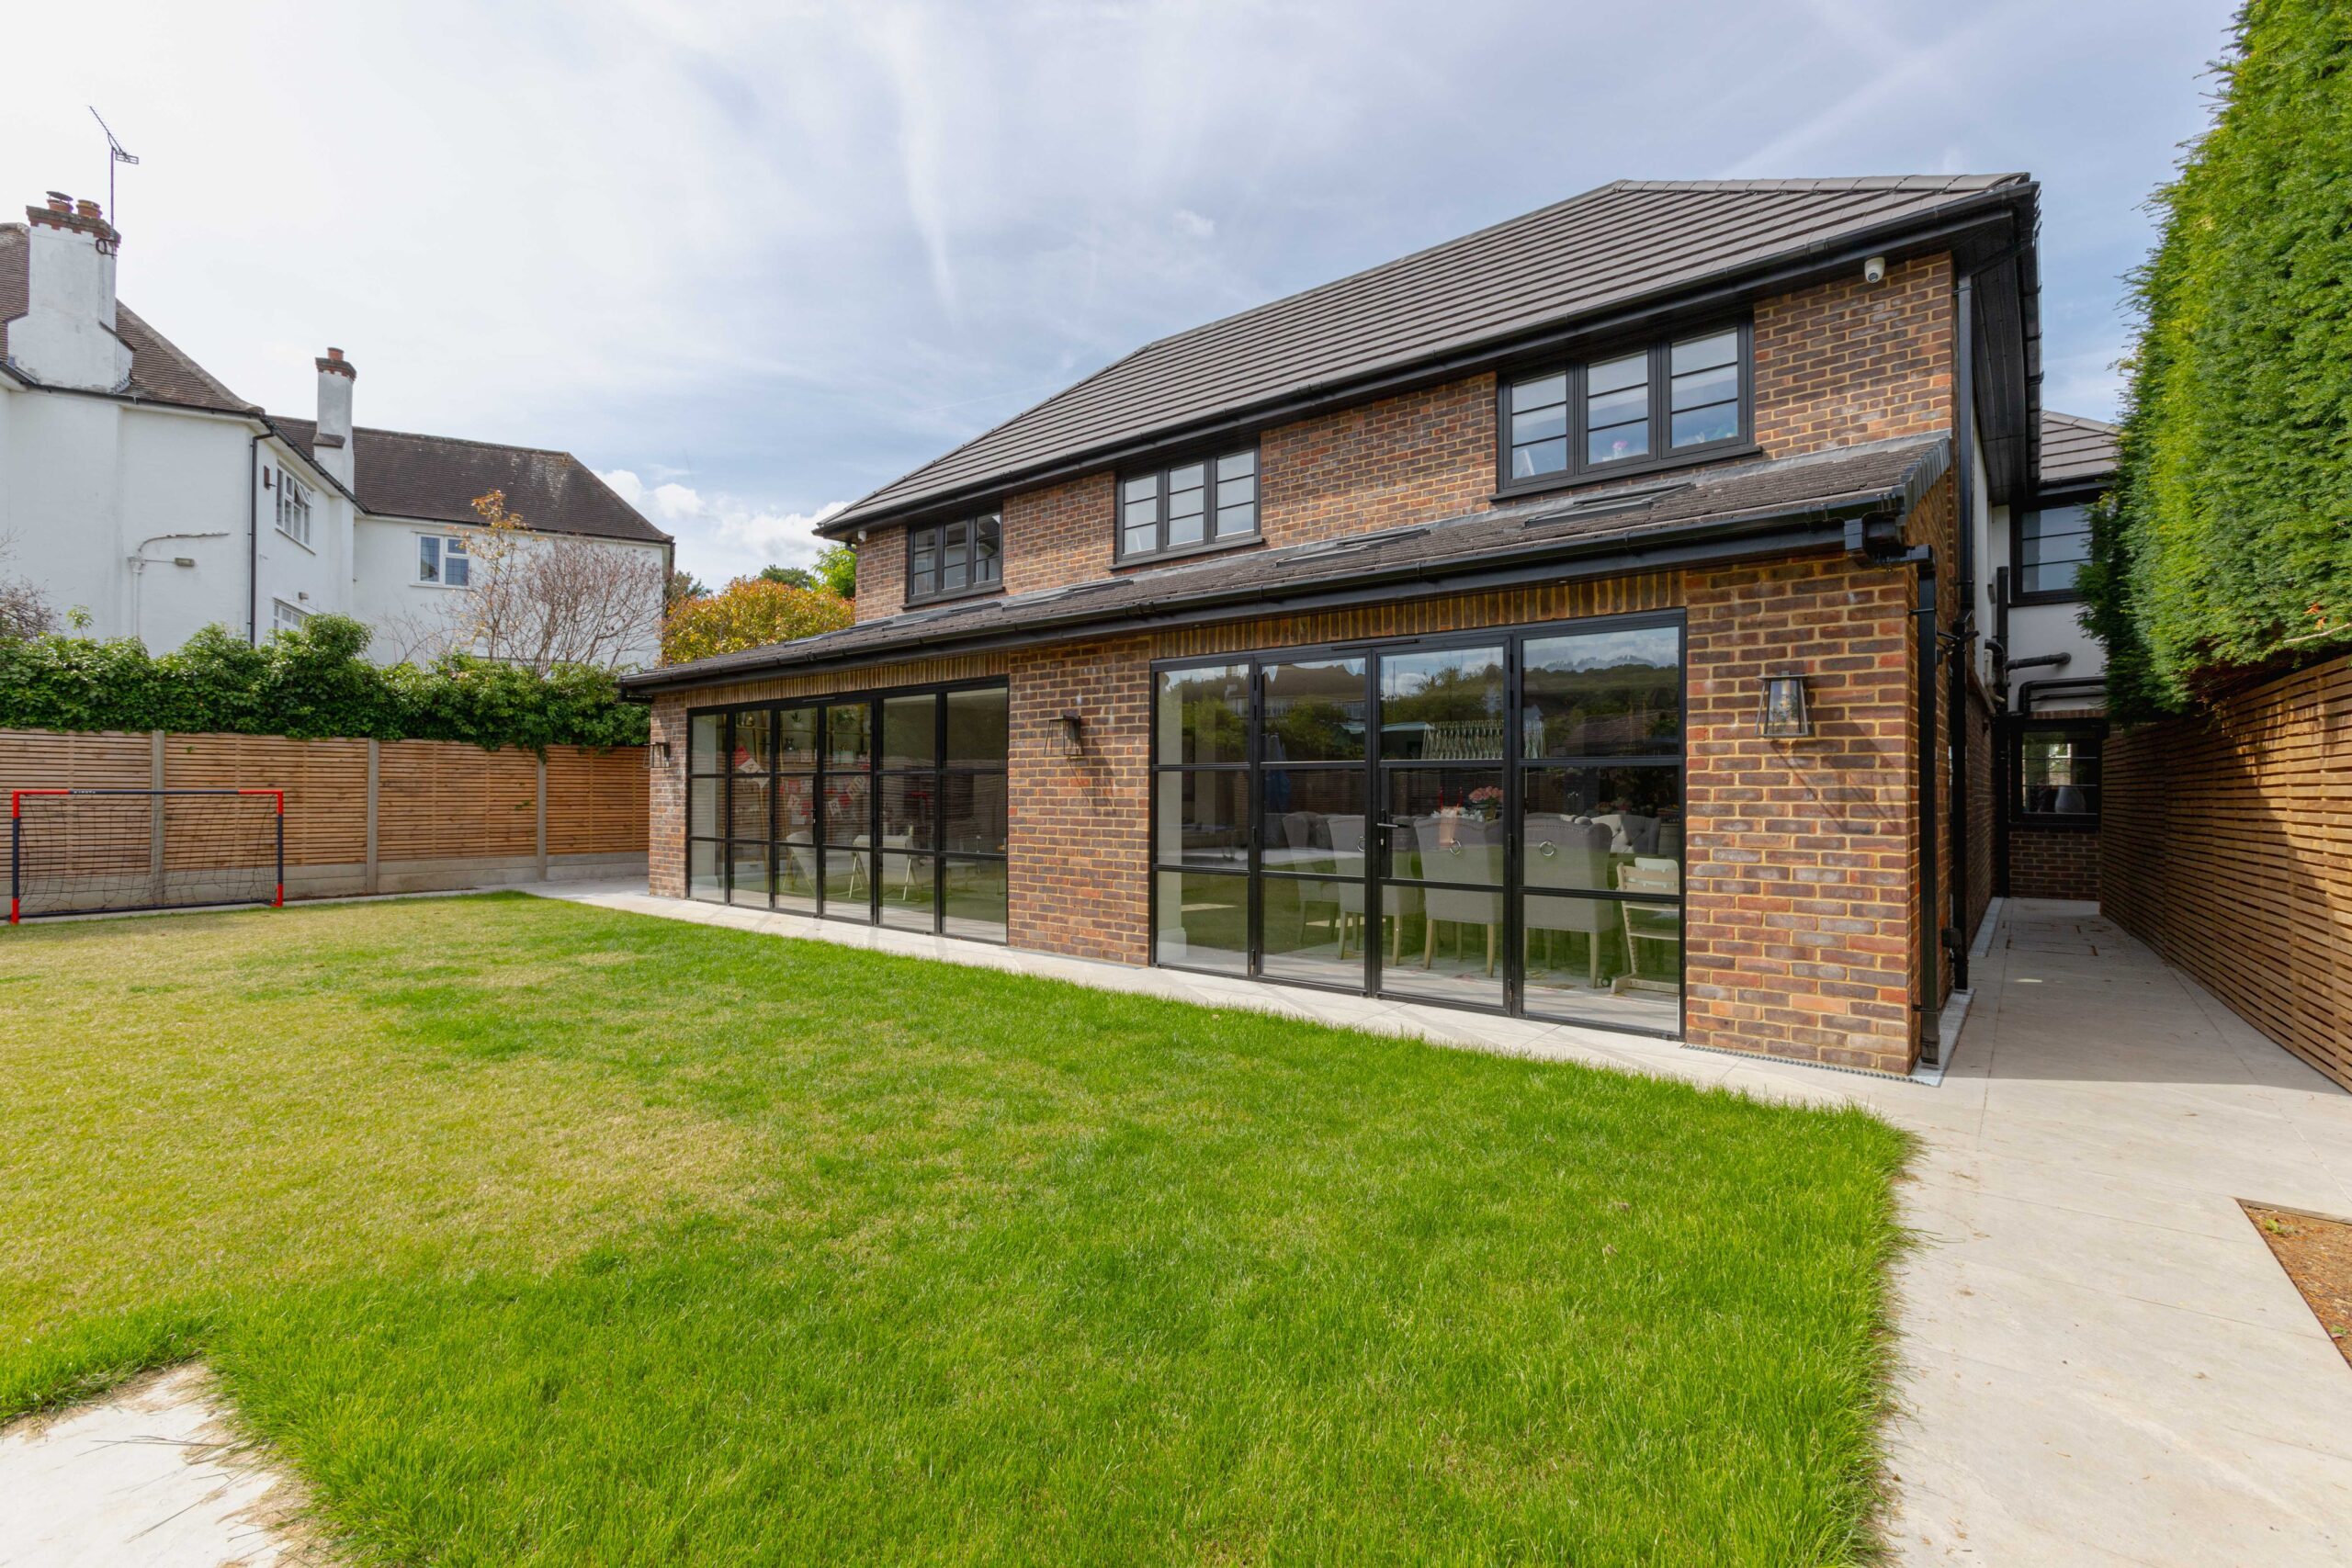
[847, 810]
[1203, 920]
[1446, 824]
[703, 880]
[748, 807]
[1604, 960]
[703, 742]
[796, 737]
[976, 899]
[1315, 711]
[751, 875]
[1204, 818]
[751, 750]
[795, 808]
[849, 736]
[702, 807]
[909, 808]
[1313, 930]
[976, 727]
[1308, 812]
[907, 881]
[795, 879]
[1441, 706]
[849, 874]
[1204, 715]
[1640, 808]
[1611, 693]
[910, 731]
[976, 812]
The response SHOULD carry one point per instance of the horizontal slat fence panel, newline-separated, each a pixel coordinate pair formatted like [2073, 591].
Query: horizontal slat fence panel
[2226, 845]
[441, 806]
[440, 798]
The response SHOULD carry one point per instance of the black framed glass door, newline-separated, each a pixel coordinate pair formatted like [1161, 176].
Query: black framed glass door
[1492, 821]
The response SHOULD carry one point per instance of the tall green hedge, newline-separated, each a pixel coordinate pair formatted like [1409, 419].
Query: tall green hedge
[308, 682]
[2227, 543]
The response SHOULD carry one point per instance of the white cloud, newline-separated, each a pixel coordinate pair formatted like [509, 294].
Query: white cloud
[722, 536]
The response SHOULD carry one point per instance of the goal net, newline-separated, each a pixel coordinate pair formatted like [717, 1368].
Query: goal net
[87, 851]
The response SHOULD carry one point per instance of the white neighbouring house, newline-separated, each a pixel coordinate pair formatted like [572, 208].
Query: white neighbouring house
[136, 487]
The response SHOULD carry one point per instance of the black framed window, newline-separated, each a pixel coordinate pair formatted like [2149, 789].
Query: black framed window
[1492, 820]
[946, 560]
[2056, 765]
[888, 807]
[1191, 506]
[1677, 400]
[2052, 542]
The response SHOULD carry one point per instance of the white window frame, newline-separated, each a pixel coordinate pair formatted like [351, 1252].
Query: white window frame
[293, 508]
[435, 554]
[285, 617]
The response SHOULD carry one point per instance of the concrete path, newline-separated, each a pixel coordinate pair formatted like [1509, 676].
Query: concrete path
[151, 1476]
[2102, 1363]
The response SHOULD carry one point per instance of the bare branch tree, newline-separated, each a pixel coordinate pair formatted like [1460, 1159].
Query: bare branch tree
[539, 600]
[23, 611]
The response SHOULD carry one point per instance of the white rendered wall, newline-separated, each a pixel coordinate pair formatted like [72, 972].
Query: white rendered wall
[416, 620]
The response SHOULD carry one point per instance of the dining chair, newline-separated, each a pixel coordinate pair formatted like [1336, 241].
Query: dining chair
[1461, 848]
[1565, 853]
[1659, 925]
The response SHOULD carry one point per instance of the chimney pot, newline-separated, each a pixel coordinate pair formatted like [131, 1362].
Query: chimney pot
[334, 354]
[60, 202]
[87, 208]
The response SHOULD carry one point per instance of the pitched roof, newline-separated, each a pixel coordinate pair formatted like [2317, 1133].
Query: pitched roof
[1881, 479]
[2076, 450]
[436, 478]
[159, 370]
[1624, 243]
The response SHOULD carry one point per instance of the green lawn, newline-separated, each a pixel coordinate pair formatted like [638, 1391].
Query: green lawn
[536, 1233]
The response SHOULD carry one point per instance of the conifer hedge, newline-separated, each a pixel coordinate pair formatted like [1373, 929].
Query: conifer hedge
[2227, 542]
[308, 682]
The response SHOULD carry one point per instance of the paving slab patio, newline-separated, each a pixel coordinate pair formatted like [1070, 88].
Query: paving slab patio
[2100, 1360]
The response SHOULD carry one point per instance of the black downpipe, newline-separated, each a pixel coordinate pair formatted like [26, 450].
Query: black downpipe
[2004, 787]
[1931, 987]
[1963, 622]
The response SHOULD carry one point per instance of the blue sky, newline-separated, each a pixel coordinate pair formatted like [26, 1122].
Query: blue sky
[752, 260]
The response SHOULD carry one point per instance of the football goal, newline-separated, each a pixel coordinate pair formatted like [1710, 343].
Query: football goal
[88, 852]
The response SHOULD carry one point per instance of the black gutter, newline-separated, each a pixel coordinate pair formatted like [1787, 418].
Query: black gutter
[1805, 530]
[253, 541]
[1964, 218]
[2032, 689]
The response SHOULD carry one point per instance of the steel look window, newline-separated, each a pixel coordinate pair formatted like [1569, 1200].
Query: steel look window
[886, 807]
[1654, 406]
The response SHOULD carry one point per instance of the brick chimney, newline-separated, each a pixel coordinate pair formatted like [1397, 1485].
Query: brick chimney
[332, 446]
[66, 335]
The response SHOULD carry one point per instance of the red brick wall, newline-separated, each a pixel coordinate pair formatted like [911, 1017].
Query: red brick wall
[1847, 362]
[1058, 534]
[665, 863]
[881, 574]
[1080, 876]
[2054, 862]
[1385, 465]
[1802, 855]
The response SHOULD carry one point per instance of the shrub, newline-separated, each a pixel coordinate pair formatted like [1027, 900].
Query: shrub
[2227, 542]
[308, 682]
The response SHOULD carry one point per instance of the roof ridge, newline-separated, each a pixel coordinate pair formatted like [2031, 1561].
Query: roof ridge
[2083, 419]
[453, 440]
[181, 355]
[1835, 183]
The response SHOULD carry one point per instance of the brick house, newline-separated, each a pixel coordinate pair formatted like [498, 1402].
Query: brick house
[1565, 621]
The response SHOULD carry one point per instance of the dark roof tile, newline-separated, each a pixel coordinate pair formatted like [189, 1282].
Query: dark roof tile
[1609, 248]
[2074, 450]
[436, 478]
[1886, 476]
[158, 368]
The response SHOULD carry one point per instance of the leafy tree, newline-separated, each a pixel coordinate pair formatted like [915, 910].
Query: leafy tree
[2227, 542]
[837, 570]
[749, 612]
[683, 585]
[793, 576]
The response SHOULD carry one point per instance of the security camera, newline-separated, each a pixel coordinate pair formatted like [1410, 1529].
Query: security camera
[1874, 270]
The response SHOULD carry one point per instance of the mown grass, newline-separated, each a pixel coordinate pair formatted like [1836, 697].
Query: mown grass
[532, 1234]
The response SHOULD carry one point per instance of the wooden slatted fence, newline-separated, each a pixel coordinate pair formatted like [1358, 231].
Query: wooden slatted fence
[2226, 845]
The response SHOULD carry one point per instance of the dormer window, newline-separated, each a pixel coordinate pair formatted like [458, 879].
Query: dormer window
[1192, 506]
[1669, 402]
[946, 560]
[293, 508]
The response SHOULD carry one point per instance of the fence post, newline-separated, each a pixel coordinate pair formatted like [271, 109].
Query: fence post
[156, 818]
[375, 749]
[542, 850]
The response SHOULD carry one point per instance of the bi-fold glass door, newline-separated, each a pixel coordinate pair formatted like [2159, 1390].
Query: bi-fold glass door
[888, 808]
[1492, 821]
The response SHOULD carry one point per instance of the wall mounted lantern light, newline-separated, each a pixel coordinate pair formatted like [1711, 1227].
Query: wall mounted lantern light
[1073, 742]
[1785, 715]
